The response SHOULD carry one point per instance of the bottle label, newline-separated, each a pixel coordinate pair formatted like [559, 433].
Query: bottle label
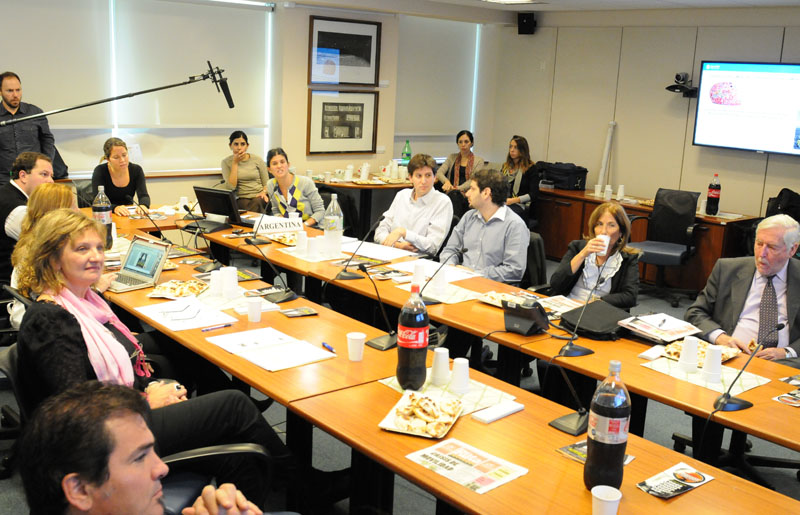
[412, 337]
[333, 223]
[104, 217]
[714, 192]
[608, 430]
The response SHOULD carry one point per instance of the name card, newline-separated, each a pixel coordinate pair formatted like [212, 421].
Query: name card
[276, 224]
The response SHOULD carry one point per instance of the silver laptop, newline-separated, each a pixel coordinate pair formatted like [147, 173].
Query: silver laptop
[142, 265]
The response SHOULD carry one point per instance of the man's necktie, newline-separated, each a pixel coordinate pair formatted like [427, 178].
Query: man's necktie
[768, 315]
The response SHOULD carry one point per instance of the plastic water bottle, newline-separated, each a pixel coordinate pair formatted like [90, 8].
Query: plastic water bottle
[609, 419]
[412, 342]
[101, 211]
[712, 202]
[333, 226]
[406, 154]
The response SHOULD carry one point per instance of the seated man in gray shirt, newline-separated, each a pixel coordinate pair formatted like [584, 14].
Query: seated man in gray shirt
[491, 240]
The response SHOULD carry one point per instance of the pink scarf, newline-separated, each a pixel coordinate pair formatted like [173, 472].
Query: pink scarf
[108, 356]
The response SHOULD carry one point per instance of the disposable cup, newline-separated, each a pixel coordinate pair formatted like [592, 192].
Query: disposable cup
[438, 283]
[183, 201]
[364, 174]
[441, 366]
[302, 243]
[254, 309]
[605, 500]
[606, 238]
[459, 384]
[215, 284]
[313, 247]
[598, 190]
[608, 193]
[712, 368]
[348, 174]
[419, 274]
[327, 176]
[230, 289]
[620, 192]
[355, 346]
[688, 359]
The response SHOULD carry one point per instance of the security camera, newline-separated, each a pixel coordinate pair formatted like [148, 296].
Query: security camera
[681, 78]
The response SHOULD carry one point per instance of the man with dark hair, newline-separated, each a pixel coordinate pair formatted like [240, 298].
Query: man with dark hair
[419, 218]
[29, 170]
[494, 237]
[89, 450]
[28, 136]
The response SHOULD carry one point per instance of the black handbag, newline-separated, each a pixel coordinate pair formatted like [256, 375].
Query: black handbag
[565, 176]
[599, 322]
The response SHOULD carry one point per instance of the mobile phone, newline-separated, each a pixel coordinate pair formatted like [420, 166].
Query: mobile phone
[237, 231]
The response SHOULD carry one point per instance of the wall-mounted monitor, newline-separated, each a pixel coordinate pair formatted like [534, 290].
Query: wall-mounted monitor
[749, 106]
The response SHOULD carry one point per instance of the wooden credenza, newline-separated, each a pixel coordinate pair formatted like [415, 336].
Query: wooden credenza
[563, 215]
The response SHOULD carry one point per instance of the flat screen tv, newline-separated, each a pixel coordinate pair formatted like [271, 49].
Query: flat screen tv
[749, 106]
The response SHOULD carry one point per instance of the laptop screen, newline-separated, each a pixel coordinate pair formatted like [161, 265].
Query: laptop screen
[143, 259]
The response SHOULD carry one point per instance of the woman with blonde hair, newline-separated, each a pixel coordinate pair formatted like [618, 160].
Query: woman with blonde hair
[70, 335]
[120, 178]
[610, 264]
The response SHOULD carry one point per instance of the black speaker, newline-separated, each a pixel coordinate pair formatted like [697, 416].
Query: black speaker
[526, 23]
[525, 319]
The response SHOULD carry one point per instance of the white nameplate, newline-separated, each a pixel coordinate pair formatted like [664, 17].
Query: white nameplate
[276, 224]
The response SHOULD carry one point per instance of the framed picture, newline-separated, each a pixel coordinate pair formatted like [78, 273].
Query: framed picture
[344, 51]
[342, 122]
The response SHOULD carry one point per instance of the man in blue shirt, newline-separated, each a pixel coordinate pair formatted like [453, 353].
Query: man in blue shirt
[28, 136]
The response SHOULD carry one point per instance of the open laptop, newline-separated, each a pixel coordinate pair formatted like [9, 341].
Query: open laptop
[142, 265]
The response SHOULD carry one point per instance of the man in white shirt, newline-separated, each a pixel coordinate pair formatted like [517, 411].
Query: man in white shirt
[745, 299]
[419, 218]
[29, 170]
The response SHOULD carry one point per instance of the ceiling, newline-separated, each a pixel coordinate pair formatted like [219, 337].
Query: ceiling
[605, 5]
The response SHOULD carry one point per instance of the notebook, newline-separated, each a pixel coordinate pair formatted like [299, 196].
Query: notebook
[142, 265]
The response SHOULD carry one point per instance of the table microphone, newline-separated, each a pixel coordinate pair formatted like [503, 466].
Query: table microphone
[280, 296]
[428, 300]
[387, 341]
[129, 199]
[343, 274]
[727, 403]
[214, 264]
[256, 239]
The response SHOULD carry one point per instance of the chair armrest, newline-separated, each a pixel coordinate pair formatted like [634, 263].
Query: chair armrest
[543, 289]
[218, 450]
[632, 219]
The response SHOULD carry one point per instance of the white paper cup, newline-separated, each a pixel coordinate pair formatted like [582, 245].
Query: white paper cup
[688, 359]
[606, 238]
[355, 346]
[459, 384]
[438, 283]
[302, 243]
[605, 500]
[364, 174]
[712, 368]
[608, 193]
[598, 190]
[327, 176]
[183, 201]
[313, 247]
[254, 309]
[310, 173]
[215, 284]
[348, 174]
[419, 274]
[620, 192]
[230, 282]
[441, 366]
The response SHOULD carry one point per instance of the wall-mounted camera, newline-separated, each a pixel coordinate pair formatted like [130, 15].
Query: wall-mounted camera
[683, 85]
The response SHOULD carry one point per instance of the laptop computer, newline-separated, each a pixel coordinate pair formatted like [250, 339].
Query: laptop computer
[142, 265]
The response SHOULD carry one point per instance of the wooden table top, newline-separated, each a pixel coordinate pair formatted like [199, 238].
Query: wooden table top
[285, 385]
[766, 419]
[354, 186]
[126, 224]
[554, 483]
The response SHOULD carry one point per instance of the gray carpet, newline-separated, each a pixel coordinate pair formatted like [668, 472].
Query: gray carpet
[330, 454]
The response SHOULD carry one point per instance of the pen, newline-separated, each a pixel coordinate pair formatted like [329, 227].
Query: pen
[213, 327]
[662, 322]
[328, 347]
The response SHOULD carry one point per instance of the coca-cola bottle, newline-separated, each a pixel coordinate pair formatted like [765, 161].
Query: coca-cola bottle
[412, 342]
[607, 437]
[712, 202]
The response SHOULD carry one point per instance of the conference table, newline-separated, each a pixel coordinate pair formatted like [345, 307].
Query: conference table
[365, 193]
[345, 399]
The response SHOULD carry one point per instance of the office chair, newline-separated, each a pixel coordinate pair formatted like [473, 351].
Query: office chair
[670, 238]
[453, 224]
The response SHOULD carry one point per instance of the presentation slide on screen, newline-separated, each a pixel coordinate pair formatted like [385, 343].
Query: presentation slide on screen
[143, 260]
[749, 106]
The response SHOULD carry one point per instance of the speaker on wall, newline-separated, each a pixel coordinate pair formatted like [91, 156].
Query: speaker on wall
[526, 23]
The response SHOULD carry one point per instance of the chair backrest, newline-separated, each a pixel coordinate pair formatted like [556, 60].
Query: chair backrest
[453, 223]
[349, 211]
[673, 212]
[8, 365]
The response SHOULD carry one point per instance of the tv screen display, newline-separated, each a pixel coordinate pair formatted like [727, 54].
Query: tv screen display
[749, 106]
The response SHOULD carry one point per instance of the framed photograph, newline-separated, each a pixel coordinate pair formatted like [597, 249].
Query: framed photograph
[342, 122]
[344, 51]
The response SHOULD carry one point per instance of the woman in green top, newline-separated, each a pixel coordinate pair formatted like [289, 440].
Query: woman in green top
[246, 173]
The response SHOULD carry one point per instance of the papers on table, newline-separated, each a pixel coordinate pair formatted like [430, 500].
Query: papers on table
[478, 397]
[450, 294]
[467, 465]
[376, 251]
[271, 349]
[746, 382]
[292, 251]
[659, 327]
[558, 304]
[452, 273]
[185, 313]
[674, 481]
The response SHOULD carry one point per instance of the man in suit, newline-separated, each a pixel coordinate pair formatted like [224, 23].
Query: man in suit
[745, 298]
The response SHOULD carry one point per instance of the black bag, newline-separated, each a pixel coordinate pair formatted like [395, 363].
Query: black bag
[565, 176]
[786, 203]
[599, 322]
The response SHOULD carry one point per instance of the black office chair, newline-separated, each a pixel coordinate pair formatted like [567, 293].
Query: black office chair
[453, 224]
[670, 238]
[349, 210]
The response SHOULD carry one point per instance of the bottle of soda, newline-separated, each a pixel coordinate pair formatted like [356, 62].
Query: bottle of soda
[406, 154]
[412, 342]
[333, 227]
[714, 189]
[609, 418]
[101, 211]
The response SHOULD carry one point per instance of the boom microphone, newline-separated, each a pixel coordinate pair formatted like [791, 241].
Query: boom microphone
[220, 82]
